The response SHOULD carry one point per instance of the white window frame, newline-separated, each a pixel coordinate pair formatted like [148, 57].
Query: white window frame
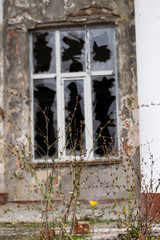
[60, 78]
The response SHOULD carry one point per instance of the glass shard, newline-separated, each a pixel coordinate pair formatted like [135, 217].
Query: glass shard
[45, 118]
[43, 52]
[74, 116]
[102, 42]
[72, 51]
[104, 115]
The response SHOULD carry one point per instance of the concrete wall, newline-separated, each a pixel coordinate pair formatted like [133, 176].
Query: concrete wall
[22, 16]
[148, 51]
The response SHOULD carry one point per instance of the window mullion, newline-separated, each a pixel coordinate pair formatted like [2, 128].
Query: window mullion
[88, 101]
[101, 73]
[60, 124]
[43, 76]
[32, 94]
[117, 97]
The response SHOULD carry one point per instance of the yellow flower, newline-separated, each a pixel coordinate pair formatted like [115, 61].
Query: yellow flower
[124, 210]
[93, 203]
[13, 223]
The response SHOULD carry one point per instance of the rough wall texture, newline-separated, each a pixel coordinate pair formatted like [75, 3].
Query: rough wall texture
[2, 163]
[22, 16]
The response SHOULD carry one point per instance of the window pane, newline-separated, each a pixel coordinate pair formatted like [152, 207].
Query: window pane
[74, 116]
[72, 51]
[44, 52]
[45, 117]
[104, 115]
[102, 49]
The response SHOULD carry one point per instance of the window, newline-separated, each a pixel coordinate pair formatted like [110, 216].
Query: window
[74, 92]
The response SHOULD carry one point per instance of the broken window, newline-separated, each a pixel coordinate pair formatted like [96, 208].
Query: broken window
[102, 49]
[74, 115]
[104, 114]
[44, 52]
[72, 51]
[74, 89]
[45, 117]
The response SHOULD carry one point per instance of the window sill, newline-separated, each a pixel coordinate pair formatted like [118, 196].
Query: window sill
[97, 161]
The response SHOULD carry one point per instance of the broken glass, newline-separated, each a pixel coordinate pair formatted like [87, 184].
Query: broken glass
[74, 116]
[44, 52]
[72, 51]
[102, 49]
[45, 118]
[104, 115]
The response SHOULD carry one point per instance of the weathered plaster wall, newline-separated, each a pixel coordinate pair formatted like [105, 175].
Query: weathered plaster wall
[2, 163]
[22, 16]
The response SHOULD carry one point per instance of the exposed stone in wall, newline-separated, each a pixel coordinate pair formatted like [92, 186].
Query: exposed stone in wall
[22, 16]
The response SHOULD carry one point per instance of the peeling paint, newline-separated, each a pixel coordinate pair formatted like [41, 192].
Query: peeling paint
[22, 3]
[20, 18]
[69, 5]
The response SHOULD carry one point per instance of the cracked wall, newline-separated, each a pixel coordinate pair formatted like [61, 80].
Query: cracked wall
[22, 16]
